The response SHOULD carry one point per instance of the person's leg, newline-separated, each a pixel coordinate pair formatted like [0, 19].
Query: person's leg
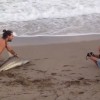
[96, 55]
[94, 59]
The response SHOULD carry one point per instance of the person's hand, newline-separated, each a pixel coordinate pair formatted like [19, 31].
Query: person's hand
[15, 55]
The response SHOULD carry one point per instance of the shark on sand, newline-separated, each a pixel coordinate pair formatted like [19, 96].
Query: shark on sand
[12, 62]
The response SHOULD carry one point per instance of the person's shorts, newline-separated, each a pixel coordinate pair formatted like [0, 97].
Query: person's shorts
[98, 63]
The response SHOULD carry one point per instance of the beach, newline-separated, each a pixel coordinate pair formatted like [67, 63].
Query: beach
[55, 36]
[57, 71]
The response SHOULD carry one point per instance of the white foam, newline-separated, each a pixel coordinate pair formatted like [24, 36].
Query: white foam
[68, 34]
[20, 10]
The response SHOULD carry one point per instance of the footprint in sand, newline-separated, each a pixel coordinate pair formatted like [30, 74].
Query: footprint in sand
[66, 70]
[81, 92]
[53, 73]
[24, 68]
[75, 93]
[73, 73]
[40, 71]
[45, 58]
[84, 67]
[97, 76]
[81, 78]
[8, 74]
[67, 65]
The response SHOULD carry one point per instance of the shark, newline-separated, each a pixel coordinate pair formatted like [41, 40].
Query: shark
[12, 62]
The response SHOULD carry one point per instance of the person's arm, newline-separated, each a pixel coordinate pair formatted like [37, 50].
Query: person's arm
[11, 51]
[99, 52]
[99, 49]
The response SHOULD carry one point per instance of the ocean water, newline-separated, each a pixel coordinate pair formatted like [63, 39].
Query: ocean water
[29, 18]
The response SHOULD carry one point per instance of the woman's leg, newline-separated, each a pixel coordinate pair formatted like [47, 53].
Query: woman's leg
[97, 56]
[94, 59]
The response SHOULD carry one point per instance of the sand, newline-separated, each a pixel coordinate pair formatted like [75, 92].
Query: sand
[56, 72]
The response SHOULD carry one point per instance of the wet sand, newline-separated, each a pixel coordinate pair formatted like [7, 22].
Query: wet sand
[56, 72]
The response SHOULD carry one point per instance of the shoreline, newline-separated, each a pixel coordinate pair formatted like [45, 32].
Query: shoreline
[44, 40]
